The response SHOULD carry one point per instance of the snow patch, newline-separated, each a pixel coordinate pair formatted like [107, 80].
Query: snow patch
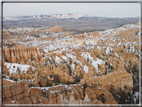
[13, 67]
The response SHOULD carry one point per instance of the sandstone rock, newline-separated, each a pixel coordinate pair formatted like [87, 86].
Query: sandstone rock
[76, 93]
[77, 70]
[60, 66]
[118, 81]
[6, 92]
[56, 28]
[25, 93]
[90, 74]
[70, 79]
[27, 100]
[12, 91]
[82, 81]
[5, 70]
[78, 88]
[66, 68]
[8, 100]
[102, 68]
[33, 99]
[7, 82]
[90, 94]
[19, 54]
[61, 73]
[85, 77]
[19, 96]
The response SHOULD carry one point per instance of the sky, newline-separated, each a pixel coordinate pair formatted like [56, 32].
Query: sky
[92, 9]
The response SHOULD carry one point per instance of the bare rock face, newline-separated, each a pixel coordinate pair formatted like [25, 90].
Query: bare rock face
[55, 29]
[102, 68]
[61, 73]
[60, 66]
[76, 93]
[20, 54]
[90, 94]
[96, 34]
[17, 93]
[85, 77]
[77, 71]
[70, 79]
[20, 93]
[5, 70]
[121, 79]
[78, 88]
[66, 68]
[102, 92]
[90, 74]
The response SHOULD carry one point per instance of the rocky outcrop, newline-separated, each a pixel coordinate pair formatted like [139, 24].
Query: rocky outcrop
[96, 34]
[8, 82]
[122, 78]
[20, 93]
[55, 29]
[20, 54]
[63, 75]
[16, 94]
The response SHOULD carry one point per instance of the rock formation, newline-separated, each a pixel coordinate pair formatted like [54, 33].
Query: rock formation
[20, 54]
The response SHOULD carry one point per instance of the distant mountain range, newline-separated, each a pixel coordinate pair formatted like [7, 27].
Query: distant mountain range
[66, 21]
[58, 16]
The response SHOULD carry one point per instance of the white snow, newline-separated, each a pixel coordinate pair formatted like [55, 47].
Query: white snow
[108, 50]
[12, 101]
[72, 67]
[12, 67]
[94, 63]
[85, 69]
[64, 57]
[45, 50]
[8, 80]
[57, 59]
[71, 56]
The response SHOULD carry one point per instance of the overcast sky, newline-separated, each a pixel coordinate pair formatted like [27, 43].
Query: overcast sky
[92, 9]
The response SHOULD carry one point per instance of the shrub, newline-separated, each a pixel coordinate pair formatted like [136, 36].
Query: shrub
[77, 78]
[102, 97]
[56, 78]
[39, 84]
[137, 56]
[68, 83]
[15, 79]
[32, 57]
[85, 86]
[48, 84]
[30, 85]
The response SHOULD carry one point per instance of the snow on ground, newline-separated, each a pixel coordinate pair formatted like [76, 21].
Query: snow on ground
[94, 63]
[57, 60]
[71, 56]
[64, 57]
[90, 42]
[13, 67]
[108, 50]
[72, 67]
[115, 31]
[85, 69]
[45, 50]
